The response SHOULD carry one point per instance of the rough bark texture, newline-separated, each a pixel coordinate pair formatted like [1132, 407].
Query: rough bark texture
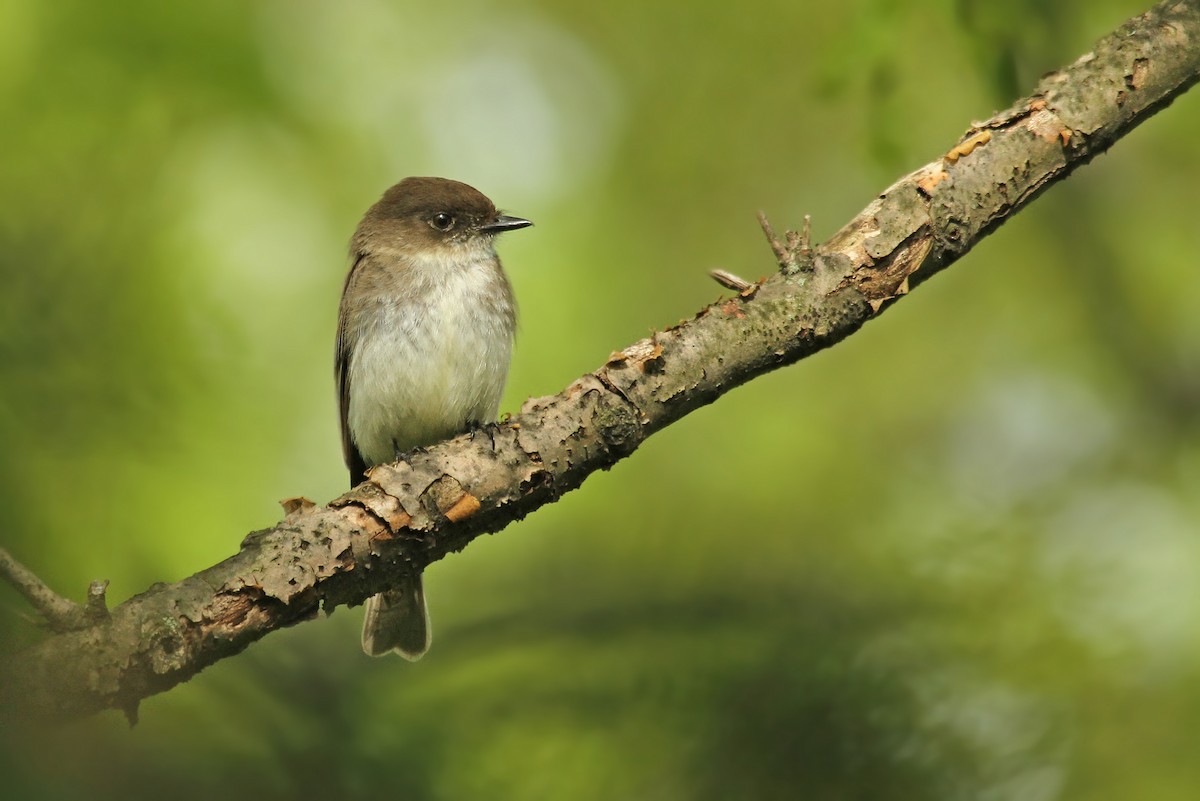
[437, 501]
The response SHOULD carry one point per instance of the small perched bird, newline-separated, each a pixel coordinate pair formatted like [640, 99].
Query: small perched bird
[425, 333]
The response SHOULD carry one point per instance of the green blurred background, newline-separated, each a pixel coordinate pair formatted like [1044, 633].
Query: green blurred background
[955, 557]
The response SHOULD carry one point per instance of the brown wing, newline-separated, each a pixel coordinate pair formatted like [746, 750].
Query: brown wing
[341, 370]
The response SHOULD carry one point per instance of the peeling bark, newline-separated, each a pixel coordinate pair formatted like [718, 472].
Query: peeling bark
[436, 501]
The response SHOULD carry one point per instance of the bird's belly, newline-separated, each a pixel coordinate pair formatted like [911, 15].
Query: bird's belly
[424, 375]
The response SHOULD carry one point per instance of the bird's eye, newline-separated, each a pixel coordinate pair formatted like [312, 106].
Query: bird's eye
[442, 221]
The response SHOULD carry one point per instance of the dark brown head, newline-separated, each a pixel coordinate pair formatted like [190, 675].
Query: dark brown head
[431, 214]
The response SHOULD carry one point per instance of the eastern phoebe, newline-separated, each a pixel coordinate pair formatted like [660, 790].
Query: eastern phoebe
[425, 333]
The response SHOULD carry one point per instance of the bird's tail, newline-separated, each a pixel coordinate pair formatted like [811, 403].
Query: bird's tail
[398, 620]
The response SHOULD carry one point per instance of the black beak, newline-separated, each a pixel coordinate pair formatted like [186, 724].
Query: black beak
[504, 223]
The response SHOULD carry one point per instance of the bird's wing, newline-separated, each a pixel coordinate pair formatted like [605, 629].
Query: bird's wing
[341, 369]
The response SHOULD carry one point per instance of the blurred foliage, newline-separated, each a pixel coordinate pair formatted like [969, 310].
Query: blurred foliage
[955, 557]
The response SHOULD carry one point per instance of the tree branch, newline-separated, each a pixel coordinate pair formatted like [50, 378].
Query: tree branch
[59, 613]
[438, 500]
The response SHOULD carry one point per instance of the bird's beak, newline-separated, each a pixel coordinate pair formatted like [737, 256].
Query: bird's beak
[504, 223]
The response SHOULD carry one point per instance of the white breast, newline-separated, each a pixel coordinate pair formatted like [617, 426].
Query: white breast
[426, 370]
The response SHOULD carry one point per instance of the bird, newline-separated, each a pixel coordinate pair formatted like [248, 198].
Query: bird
[424, 341]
